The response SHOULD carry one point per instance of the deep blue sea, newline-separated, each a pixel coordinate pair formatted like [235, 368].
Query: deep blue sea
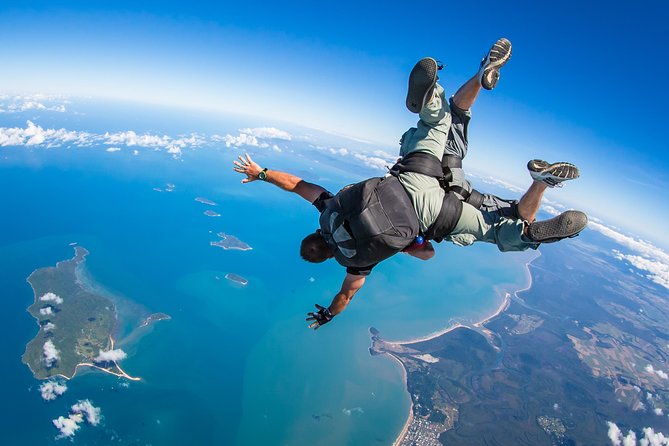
[235, 364]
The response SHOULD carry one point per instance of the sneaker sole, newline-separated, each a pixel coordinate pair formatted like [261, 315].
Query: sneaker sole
[566, 225]
[422, 79]
[552, 174]
[499, 54]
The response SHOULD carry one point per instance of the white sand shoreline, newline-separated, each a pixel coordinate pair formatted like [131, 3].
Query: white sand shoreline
[502, 307]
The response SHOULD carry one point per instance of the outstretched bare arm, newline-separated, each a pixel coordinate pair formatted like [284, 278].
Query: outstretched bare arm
[352, 283]
[285, 181]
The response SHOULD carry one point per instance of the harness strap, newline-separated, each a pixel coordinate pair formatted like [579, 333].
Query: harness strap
[448, 217]
[451, 161]
[475, 199]
[464, 193]
[418, 162]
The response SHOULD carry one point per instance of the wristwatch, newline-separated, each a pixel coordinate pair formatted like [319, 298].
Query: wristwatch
[263, 174]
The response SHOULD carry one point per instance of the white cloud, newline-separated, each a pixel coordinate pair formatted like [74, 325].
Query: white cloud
[652, 438]
[51, 353]
[130, 138]
[658, 411]
[49, 326]
[252, 137]
[175, 151]
[51, 297]
[614, 434]
[267, 133]
[110, 355]
[45, 311]
[135, 152]
[342, 151]
[242, 139]
[92, 413]
[82, 411]
[50, 390]
[35, 135]
[373, 161]
[38, 102]
[647, 257]
[68, 426]
[661, 373]
[629, 439]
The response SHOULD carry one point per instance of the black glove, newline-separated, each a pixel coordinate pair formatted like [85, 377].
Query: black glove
[323, 316]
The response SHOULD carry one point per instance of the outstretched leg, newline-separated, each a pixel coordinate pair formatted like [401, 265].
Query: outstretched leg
[528, 206]
[487, 76]
[466, 95]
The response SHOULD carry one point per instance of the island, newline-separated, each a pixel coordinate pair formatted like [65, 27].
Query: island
[209, 213]
[236, 279]
[206, 201]
[153, 318]
[230, 242]
[75, 324]
[561, 361]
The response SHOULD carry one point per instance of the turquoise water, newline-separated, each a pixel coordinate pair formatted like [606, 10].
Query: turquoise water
[235, 365]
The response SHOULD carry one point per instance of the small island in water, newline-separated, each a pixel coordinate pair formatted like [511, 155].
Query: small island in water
[75, 324]
[237, 279]
[206, 201]
[155, 317]
[230, 242]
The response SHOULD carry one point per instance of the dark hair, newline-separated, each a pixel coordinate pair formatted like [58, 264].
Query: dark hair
[314, 248]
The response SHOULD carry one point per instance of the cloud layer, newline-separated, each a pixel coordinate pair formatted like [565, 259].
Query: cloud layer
[51, 353]
[82, 411]
[50, 390]
[37, 102]
[110, 355]
[650, 437]
[51, 297]
[646, 257]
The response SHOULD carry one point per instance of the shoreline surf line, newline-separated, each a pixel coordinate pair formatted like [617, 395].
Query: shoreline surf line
[502, 308]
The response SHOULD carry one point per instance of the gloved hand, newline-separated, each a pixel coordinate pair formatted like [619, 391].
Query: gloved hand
[323, 316]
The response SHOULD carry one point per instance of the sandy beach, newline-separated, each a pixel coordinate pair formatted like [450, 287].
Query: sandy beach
[500, 309]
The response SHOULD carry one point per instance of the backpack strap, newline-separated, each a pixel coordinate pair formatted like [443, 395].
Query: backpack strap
[449, 214]
[419, 162]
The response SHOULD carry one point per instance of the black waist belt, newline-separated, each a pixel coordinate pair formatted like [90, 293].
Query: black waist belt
[449, 214]
[419, 162]
[452, 161]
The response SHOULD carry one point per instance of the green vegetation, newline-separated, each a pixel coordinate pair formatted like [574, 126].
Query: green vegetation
[79, 323]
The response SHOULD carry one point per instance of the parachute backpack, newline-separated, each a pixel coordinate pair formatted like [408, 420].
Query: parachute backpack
[369, 221]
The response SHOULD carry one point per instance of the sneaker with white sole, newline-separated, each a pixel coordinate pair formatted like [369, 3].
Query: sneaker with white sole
[422, 80]
[566, 225]
[499, 54]
[552, 174]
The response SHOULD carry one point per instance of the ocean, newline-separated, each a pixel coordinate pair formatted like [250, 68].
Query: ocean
[235, 364]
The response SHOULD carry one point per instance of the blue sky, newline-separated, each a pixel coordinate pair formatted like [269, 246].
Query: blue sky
[585, 83]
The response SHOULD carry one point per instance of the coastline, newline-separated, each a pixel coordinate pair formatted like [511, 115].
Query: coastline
[500, 309]
[80, 254]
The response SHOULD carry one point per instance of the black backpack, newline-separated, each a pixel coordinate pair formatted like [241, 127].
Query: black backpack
[369, 221]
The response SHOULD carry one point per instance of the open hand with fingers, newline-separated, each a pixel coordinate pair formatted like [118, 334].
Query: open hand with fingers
[249, 167]
[323, 316]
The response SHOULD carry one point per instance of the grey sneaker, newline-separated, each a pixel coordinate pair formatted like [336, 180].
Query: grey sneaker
[422, 80]
[552, 174]
[566, 225]
[499, 54]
